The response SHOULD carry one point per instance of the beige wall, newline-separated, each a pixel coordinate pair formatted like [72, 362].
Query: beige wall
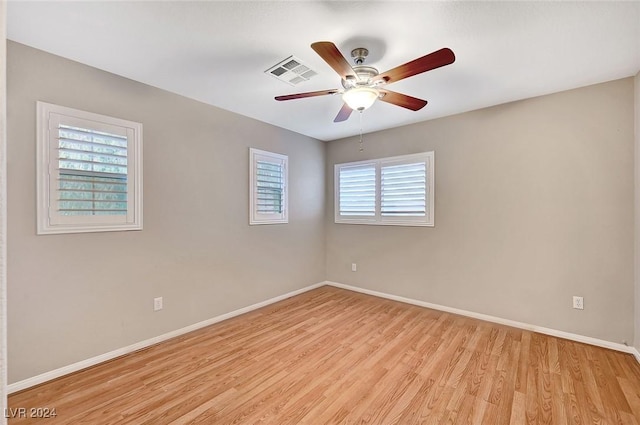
[534, 204]
[76, 296]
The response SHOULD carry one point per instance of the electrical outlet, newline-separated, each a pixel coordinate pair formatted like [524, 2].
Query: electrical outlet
[157, 304]
[354, 267]
[578, 303]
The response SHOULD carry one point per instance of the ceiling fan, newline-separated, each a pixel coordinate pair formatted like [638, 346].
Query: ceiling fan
[363, 84]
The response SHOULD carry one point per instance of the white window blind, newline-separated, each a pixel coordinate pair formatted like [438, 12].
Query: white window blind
[403, 190]
[90, 172]
[268, 187]
[357, 194]
[387, 191]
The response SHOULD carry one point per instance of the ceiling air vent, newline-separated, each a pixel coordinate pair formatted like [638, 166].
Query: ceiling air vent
[292, 71]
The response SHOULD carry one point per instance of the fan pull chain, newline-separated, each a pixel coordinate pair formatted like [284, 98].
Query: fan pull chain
[361, 146]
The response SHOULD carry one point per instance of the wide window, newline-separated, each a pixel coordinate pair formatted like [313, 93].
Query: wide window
[268, 180]
[388, 191]
[89, 172]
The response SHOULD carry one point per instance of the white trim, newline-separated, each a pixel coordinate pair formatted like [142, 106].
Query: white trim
[520, 325]
[83, 364]
[256, 218]
[3, 210]
[636, 212]
[48, 220]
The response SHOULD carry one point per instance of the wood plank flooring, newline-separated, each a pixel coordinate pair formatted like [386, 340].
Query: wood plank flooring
[331, 356]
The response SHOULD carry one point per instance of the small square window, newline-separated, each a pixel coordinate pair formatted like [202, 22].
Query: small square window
[89, 172]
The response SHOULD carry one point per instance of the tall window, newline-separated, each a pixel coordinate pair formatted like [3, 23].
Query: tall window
[269, 191]
[389, 191]
[89, 172]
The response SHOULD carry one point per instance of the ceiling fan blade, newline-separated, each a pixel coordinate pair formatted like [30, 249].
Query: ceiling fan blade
[307, 94]
[344, 113]
[403, 100]
[332, 56]
[428, 62]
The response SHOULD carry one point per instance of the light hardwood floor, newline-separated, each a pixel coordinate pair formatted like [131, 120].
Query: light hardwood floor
[331, 356]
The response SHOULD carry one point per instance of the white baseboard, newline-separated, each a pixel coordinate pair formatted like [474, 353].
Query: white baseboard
[493, 319]
[65, 370]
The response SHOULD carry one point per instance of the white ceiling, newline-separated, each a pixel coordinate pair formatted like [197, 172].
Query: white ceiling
[217, 52]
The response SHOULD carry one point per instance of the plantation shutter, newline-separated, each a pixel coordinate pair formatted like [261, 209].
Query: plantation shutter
[270, 187]
[89, 171]
[403, 190]
[393, 191]
[92, 172]
[357, 190]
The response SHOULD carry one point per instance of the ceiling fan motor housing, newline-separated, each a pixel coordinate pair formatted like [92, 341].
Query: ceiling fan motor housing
[364, 76]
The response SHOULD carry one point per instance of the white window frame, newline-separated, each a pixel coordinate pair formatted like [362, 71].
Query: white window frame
[48, 220]
[256, 217]
[378, 219]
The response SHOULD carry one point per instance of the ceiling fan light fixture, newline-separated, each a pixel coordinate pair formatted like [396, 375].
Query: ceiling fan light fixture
[360, 98]
[363, 84]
